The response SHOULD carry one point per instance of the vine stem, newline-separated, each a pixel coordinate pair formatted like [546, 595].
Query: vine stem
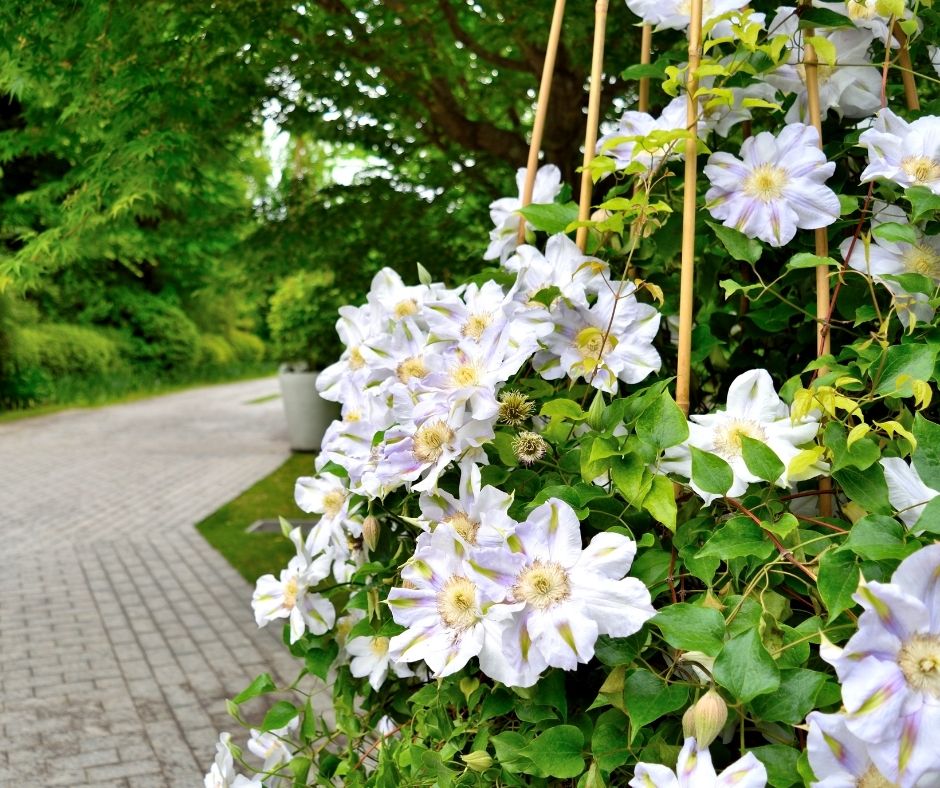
[687, 271]
[784, 553]
[541, 109]
[593, 120]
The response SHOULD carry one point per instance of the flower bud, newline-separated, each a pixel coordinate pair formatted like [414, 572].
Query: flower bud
[706, 718]
[479, 760]
[370, 531]
[595, 414]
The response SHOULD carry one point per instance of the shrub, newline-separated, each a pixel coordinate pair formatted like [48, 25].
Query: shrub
[62, 349]
[215, 351]
[158, 333]
[302, 319]
[247, 348]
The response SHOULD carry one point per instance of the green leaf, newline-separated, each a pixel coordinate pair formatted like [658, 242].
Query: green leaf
[783, 526]
[862, 454]
[926, 456]
[557, 752]
[641, 70]
[648, 698]
[744, 667]
[795, 698]
[924, 203]
[823, 17]
[737, 538]
[660, 502]
[662, 424]
[847, 204]
[877, 538]
[563, 409]
[546, 296]
[895, 233]
[691, 627]
[318, 660]
[609, 746]
[260, 686]
[837, 581]
[631, 478]
[551, 218]
[914, 283]
[867, 488]
[916, 361]
[279, 715]
[509, 746]
[807, 260]
[761, 460]
[780, 760]
[710, 472]
[929, 519]
[739, 246]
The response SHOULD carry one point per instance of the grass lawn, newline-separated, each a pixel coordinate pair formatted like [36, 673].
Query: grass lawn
[255, 554]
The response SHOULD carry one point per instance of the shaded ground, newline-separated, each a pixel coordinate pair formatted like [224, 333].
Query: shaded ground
[121, 630]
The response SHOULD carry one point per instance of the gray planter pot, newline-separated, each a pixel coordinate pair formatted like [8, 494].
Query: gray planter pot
[308, 414]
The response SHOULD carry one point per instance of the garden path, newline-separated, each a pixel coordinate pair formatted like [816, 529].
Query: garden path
[121, 630]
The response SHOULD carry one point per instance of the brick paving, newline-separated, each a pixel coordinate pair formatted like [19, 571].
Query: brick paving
[121, 630]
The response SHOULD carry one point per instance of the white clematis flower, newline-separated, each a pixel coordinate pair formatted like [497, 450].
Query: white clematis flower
[625, 144]
[882, 258]
[447, 606]
[695, 770]
[562, 597]
[676, 14]
[610, 341]
[906, 153]
[370, 658]
[272, 748]
[504, 237]
[890, 670]
[291, 596]
[852, 87]
[563, 266]
[776, 187]
[907, 493]
[754, 410]
[222, 773]
[839, 759]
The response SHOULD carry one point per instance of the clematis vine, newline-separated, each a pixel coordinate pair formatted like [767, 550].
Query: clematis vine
[505, 212]
[775, 188]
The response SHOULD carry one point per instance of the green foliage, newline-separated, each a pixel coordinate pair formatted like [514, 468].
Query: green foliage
[302, 319]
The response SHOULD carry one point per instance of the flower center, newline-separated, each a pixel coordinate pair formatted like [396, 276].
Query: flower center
[353, 416]
[379, 646]
[465, 375]
[923, 260]
[457, 603]
[542, 585]
[921, 169]
[290, 593]
[860, 10]
[476, 325]
[591, 346]
[464, 526]
[333, 502]
[356, 361]
[406, 308]
[919, 660]
[766, 182]
[412, 367]
[874, 779]
[430, 440]
[727, 436]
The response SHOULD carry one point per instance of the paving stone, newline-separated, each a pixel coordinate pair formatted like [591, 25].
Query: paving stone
[118, 677]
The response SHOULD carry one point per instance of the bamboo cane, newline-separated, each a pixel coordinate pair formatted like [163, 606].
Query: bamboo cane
[687, 275]
[810, 66]
[594, 113]
[541, 109]
[907, 69]
[646, 46]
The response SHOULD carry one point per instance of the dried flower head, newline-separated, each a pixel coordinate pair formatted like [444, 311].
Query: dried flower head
[515, 408]
[529, 447]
